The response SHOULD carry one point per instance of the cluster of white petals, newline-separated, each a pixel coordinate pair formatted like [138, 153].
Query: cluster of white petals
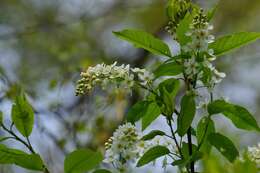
[199, 46]
[201, 39]
[124, 147]
[253, 153]
[106, 75]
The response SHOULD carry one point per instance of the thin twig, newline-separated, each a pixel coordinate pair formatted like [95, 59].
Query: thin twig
[17, 138]
[27, 144]
[174, 137]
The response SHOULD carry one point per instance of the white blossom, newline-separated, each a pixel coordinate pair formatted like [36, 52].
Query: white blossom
[124, 147]
[104, 75]
[200, 38]
[191, 67]
[253, 154]
[201, 55]
[144, 76]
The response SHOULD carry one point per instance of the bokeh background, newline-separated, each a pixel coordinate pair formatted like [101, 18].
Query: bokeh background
[44, 44]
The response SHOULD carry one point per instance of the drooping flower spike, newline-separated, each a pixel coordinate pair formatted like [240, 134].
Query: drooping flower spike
[104, 75]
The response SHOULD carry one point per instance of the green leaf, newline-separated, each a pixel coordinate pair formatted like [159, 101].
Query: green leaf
[185, 149]
[224, 145]
[240, 117]
[20, 158]
[204, 129]
[185, 162]
[179, 162]
[212, 12]
[187, 158]
[218, 106]
[183, 28]
[81, 161]
[32, 162]
[176, 10]
[193, 131]
[152, 112]
[152, 154]
[171, 9]
[168, 69]
[171, 86]
[196, 155]
[147, 110]
[206, 76]
[245, 165]
[101, 171]
[227, 43]
[144, 40]
[168, 90]
[23, 115]
[153, 134]
[137, 111]
[187, 113]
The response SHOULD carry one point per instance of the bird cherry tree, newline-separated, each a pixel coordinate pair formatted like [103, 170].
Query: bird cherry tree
[181, 74]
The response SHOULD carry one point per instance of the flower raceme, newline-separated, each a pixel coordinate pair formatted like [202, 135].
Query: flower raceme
[124, 146]
[200, 35]
[199, 64]
[122, 76]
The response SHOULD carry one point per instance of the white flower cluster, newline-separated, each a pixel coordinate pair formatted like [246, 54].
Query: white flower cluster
[216, 76]
[126, 146]
[201, 39]
[104, 75]
[123, 147]
[253, 154]
[201, 55]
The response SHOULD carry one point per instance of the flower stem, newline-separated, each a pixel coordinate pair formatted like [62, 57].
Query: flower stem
[174, 137]
[190, 84]
[192, 170]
